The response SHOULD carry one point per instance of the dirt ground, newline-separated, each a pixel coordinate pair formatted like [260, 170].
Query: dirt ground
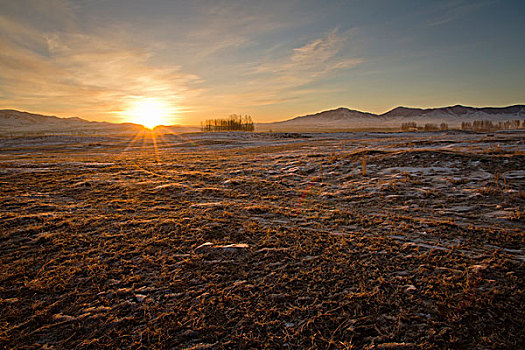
[253, 241]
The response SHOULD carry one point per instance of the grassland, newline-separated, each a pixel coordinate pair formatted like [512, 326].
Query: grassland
[251, 241]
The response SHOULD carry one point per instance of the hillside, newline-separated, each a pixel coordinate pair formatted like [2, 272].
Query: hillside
[344, 118]
[15, 122]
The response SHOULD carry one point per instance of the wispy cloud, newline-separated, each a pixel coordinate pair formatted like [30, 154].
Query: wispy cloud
[283, 79]
[312, 61]
[222, 27]
[452, 10]
[92, 57]
[94, 72]
[51, 62]
[318, 51]
[81, 73]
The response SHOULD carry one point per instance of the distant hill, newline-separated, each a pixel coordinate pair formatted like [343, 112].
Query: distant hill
[347, 119]
[15, 122]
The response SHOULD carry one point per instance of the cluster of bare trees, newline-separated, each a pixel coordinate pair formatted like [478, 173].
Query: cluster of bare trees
[233, 123]
[487, 125]
[477, 125]
[412, 126]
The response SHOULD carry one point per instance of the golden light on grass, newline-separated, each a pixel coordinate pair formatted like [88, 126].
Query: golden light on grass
[148, 112]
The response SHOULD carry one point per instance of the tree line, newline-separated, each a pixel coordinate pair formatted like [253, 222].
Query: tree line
[487, 125]
[476, 125]
[412, 126]
[233, 123]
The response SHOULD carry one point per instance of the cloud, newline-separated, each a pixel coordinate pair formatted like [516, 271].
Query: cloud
[81, 73]
[318, 51]
[60, 58]
[43, 14]
[453, 10]
[218, 28]
[312, 61]
[282, 80]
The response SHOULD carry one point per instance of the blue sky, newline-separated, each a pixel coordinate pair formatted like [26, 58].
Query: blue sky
[270, 59]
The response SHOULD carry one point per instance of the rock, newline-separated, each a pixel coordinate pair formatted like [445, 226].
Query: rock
[232, 182]
[229, 248]
[234, 248]
[204, 247]
[410, 288]
[139, 297]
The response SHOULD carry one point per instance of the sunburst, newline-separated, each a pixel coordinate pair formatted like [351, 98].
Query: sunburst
[149, 112]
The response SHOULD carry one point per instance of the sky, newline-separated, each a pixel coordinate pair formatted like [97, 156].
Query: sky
[107, 60]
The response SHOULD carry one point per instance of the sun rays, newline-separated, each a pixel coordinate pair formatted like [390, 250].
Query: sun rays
[149, 112]
[152, 145]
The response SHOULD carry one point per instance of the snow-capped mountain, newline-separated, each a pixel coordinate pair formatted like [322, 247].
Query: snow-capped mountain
[344, 118]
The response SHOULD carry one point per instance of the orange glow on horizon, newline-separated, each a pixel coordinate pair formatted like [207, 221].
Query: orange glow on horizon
[149, 112]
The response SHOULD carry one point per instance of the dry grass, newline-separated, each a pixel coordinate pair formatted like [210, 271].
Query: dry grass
[103, 248]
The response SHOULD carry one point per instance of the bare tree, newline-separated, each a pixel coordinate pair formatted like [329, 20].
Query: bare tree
[233, 123]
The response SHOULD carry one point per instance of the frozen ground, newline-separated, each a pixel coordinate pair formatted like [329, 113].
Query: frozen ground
[247, 240]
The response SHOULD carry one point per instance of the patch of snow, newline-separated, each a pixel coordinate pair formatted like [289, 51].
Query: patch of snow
[418, 170]
[229, 248]
[170, 186]
[479, 175]
[515, 175]
[462, 208]
[208, 205]
[500, 214]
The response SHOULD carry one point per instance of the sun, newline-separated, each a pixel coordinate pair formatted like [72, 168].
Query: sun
[149, 112]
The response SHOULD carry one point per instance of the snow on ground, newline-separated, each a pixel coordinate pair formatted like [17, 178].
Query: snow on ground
[225, 226]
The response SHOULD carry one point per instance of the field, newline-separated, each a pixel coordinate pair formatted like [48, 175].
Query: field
[263, 240]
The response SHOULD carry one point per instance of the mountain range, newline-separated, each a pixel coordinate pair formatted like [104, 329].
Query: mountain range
[347, 119]
[341, 119]
[13, 122]
[16, 122]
